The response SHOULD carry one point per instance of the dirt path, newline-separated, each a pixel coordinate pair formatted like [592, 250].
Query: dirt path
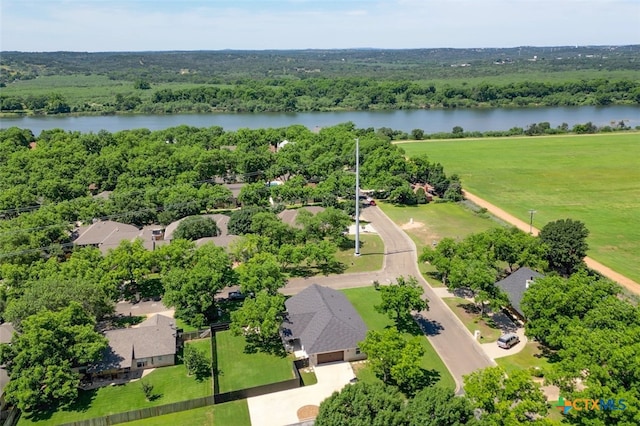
[626, 282]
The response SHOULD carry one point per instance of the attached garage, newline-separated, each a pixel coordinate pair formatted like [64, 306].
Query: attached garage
[330, 357]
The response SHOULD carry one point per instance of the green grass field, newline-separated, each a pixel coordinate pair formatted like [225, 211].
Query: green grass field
[591, 178]
[171, 384]
[240, 370]
[434, 221]
[364, 299]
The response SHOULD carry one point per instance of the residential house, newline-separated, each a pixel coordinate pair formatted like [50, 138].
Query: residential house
[323, 325]
[515, 285]
[152, 343]
[105, 234]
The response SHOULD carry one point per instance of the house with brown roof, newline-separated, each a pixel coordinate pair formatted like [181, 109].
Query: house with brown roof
[106, 234]
[152, 343]
[323, 325]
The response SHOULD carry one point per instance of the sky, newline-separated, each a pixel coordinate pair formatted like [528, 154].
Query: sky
[146, 25]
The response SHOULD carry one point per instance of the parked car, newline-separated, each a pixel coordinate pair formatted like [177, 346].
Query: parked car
[507, 341]
[236, 295]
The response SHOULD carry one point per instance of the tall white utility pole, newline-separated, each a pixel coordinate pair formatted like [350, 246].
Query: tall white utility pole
[357, 197]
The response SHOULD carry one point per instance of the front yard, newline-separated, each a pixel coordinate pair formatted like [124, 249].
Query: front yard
[467, 312]
[364, 299]
[371, 254]
[170, 384]
[239, 369]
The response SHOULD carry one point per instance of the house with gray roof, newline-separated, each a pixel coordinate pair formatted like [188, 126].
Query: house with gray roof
[150, 344]
[515, 285]
[323, 325]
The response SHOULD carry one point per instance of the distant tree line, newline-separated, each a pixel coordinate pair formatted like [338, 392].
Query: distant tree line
[324, 94]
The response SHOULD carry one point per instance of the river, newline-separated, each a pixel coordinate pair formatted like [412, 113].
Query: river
[431, 120]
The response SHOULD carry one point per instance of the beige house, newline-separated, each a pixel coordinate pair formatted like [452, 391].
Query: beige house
[150, 344]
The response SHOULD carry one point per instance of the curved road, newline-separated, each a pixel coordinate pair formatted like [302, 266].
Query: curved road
[455, 345]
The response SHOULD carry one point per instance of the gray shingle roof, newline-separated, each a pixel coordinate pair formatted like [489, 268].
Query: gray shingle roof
[516, 284]
[289, 216]
[324, 320]
[107, 234]
[155, 336]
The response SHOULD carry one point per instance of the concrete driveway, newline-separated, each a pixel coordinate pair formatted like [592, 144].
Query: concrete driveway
[280, 408]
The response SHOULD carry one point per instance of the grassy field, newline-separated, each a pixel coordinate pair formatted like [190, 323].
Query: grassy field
[230, 413]
[472, 320]
[591, 178]
[364, 299]
[435, 221]
[371, 254]
[240, 370]
[170, 384]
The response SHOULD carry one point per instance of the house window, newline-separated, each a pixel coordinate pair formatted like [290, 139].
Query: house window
[143, 363]
[358, 352]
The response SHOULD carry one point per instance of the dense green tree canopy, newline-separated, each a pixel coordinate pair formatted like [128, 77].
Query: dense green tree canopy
[399, 299]
[362, 404]
[566, 242]
[505, 399]
[40, 358]
[191, 290]
[196, 227]
[259, 320]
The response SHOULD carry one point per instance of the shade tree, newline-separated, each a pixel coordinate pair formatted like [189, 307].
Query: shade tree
[192, 290]
[41, 358]
[400, 298]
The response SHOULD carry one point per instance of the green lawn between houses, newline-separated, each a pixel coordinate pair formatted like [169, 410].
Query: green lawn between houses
[240, 370]
[364, 299]
[171, 384]
[591, 178]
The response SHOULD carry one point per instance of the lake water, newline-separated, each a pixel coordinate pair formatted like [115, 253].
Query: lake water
[431, 121]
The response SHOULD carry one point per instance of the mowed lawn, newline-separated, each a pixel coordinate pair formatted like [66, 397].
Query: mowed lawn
[240, 370]
[371, 255]
[363, 300]
[170, 384]
[591, 178]
[234, 413]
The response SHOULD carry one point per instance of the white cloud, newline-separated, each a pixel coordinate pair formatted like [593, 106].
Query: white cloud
[192, 25]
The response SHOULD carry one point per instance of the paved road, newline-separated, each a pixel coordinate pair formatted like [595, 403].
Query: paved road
[626, 282]
[456, 346]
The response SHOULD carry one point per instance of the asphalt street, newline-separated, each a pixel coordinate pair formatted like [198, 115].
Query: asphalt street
[455, 345]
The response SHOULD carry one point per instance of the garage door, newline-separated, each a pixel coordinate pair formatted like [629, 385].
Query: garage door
[330, 357]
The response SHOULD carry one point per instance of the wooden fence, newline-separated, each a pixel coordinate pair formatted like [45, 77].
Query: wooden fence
[145, 413]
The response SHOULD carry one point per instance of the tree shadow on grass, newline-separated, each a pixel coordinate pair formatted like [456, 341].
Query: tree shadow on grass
[301, 271]
[80, 405]
[272, 347]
